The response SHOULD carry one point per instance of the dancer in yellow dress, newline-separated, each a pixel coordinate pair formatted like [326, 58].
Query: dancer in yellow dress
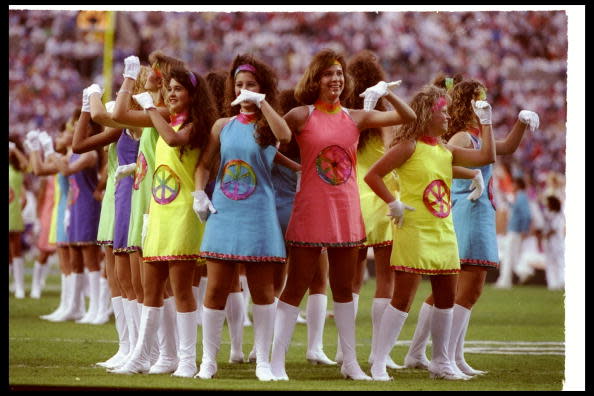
[425, 241]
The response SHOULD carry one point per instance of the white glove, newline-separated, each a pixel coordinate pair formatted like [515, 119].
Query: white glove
[298, 185]
[530, 118]
[124, 170]
[11, 145]
[482, 109]
[372, 94]
[31, 142]
[145, 225]
[145, 100]
[109, 106]
[93, 89]
[202, 205]
[131, 67]
[477, 186]
[46, 144]
[248, 96]
[397, 211]
[86, 105]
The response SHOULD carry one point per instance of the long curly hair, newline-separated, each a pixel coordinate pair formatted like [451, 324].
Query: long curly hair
[202, 112]
[461, 108]
[216, 82]
[164, 63]
[365, 70]
[287, 102]
[307, 90]
[422, 104]
[268, 81]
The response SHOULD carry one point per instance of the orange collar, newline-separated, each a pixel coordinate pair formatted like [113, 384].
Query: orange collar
[330, 108]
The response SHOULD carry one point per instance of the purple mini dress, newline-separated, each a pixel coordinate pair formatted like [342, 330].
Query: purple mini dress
[84, 208]
[127, 149]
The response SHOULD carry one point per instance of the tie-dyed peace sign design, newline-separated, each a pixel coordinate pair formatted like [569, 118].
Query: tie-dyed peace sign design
[73, 191]
[490, 192]
[437, 199]
[166, 185]
[334, 166]
[238, 181]
[140, 172]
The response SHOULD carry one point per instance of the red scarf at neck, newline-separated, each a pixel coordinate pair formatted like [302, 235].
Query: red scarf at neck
[431, 140]
[178, 119]
[330, 108]
[246, 118]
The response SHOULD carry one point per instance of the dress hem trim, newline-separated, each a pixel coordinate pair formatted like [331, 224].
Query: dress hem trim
[328, 244]
[425, 271]
[222, 256]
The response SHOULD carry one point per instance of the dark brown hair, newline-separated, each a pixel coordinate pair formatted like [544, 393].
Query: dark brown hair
[460, 108]
[268, 81]
[365, 70]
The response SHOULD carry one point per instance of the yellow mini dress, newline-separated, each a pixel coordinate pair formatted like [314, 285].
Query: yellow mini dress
[378, 226]
[174, 231]
[426, 244]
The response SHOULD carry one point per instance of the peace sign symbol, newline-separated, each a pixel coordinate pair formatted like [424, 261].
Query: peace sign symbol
[238, 181]
[140, 171]
[166, 185]
[490, 191]
[334, 165]
[436, 198]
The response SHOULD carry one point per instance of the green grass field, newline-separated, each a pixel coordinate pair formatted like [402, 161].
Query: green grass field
[517, 335]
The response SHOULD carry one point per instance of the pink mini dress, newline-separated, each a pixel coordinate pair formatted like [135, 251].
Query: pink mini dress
[327, 209]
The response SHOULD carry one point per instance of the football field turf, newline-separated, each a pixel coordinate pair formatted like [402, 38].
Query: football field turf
[517, 335]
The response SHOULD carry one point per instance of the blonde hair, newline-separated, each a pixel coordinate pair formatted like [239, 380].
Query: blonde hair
[139, 86]
[422, 104]
[307, 90]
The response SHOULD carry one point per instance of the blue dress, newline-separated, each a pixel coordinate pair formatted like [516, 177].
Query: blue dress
[61, 233]
[246, 226]
[474, 221]
[285, 184]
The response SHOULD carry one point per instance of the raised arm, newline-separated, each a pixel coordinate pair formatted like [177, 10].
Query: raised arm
[400, 114]
[278, 125]
[511, 142]
[82, 142]
[86, 160]
[486, 154]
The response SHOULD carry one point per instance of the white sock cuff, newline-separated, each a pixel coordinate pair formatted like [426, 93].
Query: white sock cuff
[439, 312]
[396, 311]
[460, 309]
[287, 307]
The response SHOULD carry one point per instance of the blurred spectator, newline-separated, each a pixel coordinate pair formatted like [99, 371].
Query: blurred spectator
[520, 55]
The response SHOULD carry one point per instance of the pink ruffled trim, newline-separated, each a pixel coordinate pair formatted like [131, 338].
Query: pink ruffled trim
[222, 256]
[479, 263]
[380, 244]
[328, 244]
[425, 271]
[191, 257]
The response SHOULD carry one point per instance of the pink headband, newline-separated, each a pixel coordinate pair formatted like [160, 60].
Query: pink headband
[245, 67]
[192, 78]
[439, 103]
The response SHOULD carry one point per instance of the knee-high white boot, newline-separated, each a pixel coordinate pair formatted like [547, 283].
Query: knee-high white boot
[18, 271]
[62, 304]
[139, 362]
[441, 327]
[344, 315]
[168, 340]
[36, 280]
[212, 327]
[389, 330]
[263, 335]
[74, 310]
[186, 330]
[130, 320]
[200, 298]
[93, 279]
[316, 318]
[284, 325]
[234, 311]
[104, 308]
[415, 357]
[117, 360]
[339, 357]
[462, 314]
